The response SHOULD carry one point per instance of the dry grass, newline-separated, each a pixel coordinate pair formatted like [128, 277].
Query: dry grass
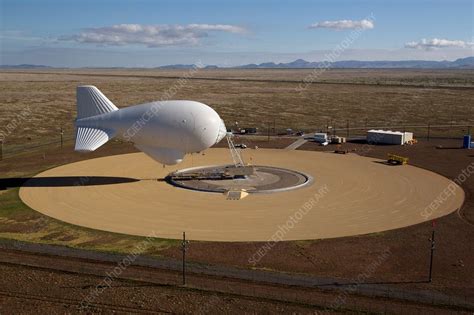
[433, 77]
[376, 99]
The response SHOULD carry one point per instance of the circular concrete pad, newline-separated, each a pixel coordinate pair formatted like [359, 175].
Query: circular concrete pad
[265, 179]
[350, 195]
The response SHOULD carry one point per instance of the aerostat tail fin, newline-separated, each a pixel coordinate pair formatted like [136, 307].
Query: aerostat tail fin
[89, 139]
[92, 102]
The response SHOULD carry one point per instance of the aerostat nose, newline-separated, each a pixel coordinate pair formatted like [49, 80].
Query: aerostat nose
[221, 132]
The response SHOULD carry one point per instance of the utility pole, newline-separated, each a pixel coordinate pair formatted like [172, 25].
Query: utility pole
[1, 150]
[268, 132]
[62, 132]
[428, 136]
[184, 248]
[432, 252]
[347, 127]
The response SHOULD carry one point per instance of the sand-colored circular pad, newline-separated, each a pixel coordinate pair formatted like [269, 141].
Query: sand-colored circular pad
[350, 195]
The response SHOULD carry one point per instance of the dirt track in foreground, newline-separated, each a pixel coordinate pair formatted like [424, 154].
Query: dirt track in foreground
[60, 285]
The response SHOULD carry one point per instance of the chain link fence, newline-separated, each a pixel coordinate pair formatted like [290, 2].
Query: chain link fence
[348, 130]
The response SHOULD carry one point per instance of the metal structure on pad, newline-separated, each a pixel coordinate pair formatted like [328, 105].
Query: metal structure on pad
[234, 152]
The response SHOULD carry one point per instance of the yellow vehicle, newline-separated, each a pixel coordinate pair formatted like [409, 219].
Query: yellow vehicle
[397, 160]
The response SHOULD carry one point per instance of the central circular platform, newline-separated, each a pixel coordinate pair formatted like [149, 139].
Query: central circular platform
[257, 179]
[350, 195]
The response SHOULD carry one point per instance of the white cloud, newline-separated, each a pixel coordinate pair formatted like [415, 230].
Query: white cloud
[150, 35]
[364, 24]
[429, 44]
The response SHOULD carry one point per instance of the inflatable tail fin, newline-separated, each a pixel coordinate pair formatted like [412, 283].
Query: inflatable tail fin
[91, 102]
[89, 139]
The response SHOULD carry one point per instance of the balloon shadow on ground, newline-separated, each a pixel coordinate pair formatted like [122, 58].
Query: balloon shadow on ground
[63, 181]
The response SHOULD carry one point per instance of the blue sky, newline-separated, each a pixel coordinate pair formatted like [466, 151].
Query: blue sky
[152, 33]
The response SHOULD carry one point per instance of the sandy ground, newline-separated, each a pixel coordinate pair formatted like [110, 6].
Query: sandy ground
[357, 195]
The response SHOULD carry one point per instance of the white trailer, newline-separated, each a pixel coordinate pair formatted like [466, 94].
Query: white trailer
[321, 138]
[388, 137]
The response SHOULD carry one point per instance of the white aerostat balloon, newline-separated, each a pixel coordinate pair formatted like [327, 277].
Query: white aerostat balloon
[164, 130]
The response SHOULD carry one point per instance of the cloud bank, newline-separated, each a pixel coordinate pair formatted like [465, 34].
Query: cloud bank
[429, 44]
[150, 35]
[364, 24]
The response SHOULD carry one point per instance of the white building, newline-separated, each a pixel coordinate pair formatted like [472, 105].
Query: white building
[388, 137]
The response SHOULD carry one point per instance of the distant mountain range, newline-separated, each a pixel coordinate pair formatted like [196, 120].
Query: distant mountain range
[409, 64]
[23, 66]
[462, 63]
